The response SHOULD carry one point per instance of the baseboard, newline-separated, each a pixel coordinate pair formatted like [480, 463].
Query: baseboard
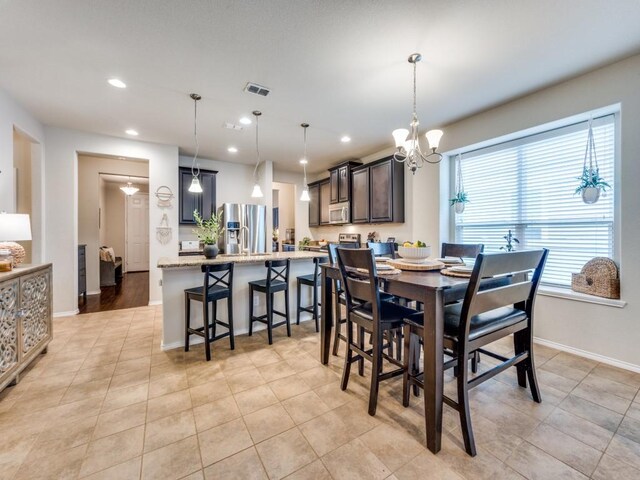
[96, 292]
[155, 302]
[66, 314]
[592, 356]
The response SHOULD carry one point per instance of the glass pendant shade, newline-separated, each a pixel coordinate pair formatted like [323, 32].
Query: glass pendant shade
[433, 137]
[257, 192]
[400, 136]
[305, 195]
[195, 186]
[129, 189]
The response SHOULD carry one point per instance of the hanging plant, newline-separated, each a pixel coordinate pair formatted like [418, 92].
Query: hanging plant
[460, 199]
[591, 183]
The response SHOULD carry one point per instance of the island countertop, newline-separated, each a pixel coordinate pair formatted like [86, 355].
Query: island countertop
[196, 261]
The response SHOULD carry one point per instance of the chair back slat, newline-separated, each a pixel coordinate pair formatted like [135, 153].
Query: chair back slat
[277, 270]
[333, 249]
[520, 292]
[361, 286]
[461, 250]
[218, 275]
[317, 261]
[380, 249]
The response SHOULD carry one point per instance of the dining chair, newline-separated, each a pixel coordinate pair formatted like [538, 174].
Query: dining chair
[485, 315]
[312, 280]
[368, 314]
[461, 250]
[383, 249]
[277, 281]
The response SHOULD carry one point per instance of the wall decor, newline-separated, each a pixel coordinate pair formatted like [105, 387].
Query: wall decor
[460, 199]
[163, 231]
[164, 196]
[591, 183]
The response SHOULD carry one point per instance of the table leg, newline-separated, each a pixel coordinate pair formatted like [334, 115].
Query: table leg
[433, 367]
[326, 319]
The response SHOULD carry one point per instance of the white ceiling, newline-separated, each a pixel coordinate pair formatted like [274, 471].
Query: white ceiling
[338, 65]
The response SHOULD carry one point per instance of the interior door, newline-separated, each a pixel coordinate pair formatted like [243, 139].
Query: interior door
[137, 233]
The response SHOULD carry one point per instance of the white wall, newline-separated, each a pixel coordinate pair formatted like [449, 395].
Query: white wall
[601, 330]
[61, 211]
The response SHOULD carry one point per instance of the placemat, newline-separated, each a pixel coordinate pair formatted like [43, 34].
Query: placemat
[416, 267]
[449, 273]
[382, 273]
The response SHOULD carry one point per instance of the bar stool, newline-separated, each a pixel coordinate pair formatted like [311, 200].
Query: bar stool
[313, 281]
[277, 281]
[218, 285]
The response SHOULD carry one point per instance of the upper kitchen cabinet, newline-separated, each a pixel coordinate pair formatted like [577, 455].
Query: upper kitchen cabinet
[204, 202]
[340, 182]
[378, 192]
[314, 204]
[325, 201]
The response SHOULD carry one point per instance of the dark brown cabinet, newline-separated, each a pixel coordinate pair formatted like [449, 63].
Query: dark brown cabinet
[314, 204]
[325, 201]
[82, 271]
[204, 202]
[333, 178]
[378, 192]
[340, 181]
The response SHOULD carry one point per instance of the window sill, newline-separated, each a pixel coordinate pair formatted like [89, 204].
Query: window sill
[569, 294]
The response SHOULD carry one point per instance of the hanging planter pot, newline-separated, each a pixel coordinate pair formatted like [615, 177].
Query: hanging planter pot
[458, 202]
[591, 183]
[590, 195]
[458, 207]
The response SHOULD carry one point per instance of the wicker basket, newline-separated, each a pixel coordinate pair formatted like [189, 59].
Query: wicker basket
[599, 277]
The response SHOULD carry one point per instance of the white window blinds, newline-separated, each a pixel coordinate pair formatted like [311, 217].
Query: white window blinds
[527, 186]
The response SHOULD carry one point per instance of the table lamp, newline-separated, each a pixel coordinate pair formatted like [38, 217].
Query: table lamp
[14, 227]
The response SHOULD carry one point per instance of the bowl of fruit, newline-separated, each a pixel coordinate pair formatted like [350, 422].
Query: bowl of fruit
[414, 252]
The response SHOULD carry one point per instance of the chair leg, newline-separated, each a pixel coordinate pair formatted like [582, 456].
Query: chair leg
[521, 368]
[336, 323]
[474, 361]
[416, 362]
[269, 316]
[376, 369]
[214, 314]
[316, 316]
[408, 364]
[360, 339]
[250, 310]
[531, 370]
[398, 335]
[205, 322]
[187, 321]
[348, 355]
[298, 296]
[463, 405]
[232, 341]
[286, 311]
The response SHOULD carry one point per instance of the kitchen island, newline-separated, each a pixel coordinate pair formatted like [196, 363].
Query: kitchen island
[180, 273]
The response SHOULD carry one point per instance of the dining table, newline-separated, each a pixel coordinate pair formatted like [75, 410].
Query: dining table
[433, 290]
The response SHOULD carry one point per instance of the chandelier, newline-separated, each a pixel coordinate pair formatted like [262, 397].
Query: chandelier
[195, 186]
[407, 141]
[305, 192]
[129, 189]
[257, 191]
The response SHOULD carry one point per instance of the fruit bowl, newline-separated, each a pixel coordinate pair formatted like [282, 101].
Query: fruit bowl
[414, 254]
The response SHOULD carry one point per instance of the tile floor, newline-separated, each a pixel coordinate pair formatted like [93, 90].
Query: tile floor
[107, 403]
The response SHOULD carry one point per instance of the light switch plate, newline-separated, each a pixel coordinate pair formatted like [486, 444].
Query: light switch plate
[190, 244]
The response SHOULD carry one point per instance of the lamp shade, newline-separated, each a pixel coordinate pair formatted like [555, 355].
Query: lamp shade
[305, 195]
[257, 191]
[400, 136]
[195, 186]
[433, 137]
[14, 227]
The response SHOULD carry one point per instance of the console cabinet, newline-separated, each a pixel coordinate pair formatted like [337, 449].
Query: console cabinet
[25, 319]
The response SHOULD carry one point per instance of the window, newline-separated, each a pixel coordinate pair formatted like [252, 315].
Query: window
[527, 186]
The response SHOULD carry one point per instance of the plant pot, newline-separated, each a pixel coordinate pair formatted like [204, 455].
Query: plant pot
[211, 251]
[590, 195]
[458, 207]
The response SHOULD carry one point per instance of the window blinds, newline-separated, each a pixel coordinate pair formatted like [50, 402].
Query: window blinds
[527, 186]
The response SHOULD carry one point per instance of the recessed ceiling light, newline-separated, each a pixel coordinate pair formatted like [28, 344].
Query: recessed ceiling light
[232, 150]
[132, 132]
[245, 121]
[303, 161]
[116, 82]
[345, 139]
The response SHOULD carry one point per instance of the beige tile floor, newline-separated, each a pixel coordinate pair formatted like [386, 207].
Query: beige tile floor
[107, 403]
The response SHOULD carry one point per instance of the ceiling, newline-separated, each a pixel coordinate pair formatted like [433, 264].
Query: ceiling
[339, 65]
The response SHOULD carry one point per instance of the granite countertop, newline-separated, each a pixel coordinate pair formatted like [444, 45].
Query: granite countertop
[196, 261]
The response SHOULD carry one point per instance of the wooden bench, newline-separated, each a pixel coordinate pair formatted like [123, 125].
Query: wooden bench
[110, 272]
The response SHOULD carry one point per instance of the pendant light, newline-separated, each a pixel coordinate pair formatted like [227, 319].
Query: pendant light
[257, 191]
[407, 141]
[129, 189]
[305, 191]
[195, 186]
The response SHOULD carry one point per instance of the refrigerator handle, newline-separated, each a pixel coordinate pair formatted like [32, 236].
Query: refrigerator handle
[245, 239]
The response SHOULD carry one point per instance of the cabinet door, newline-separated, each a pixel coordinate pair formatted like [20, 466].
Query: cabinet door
[188, 201]
[381, 192]
[35, 307]
[325, 201]
[343, 184]
[360, 196]
[208, 196]
[314, 205]
[335, 188]
[8, 327]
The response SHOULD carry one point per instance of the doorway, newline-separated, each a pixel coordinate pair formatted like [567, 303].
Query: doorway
[284, 216]
[113, 227]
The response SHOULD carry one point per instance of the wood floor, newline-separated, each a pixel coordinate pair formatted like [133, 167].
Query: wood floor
[133, 291]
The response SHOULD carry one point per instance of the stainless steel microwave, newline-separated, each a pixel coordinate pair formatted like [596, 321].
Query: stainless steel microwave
[339, 213]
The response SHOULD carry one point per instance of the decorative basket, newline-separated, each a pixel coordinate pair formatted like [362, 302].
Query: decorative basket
[599, 277]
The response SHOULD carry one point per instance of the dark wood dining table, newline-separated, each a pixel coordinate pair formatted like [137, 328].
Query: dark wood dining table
[432, 289]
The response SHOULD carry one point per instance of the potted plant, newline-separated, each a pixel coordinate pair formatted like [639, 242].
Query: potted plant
[208, 232]
[510, 240]
[305, 242]
[459, 201]
[591, 183]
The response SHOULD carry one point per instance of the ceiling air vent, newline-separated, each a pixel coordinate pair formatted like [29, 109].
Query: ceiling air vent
[232, 126]
[257, 89]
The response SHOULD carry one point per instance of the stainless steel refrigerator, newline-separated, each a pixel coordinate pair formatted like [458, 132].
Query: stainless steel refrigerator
[244, 229]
